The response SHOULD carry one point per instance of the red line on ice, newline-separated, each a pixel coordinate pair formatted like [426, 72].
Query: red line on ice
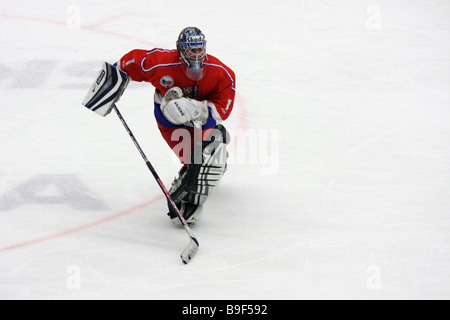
[92, 27]
[82, 227]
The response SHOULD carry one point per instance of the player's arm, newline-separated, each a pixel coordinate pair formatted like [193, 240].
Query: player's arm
[131, 64]
[180, 110]
[221, 102]
[209, 112]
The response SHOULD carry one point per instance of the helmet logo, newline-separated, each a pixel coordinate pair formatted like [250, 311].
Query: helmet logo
[167, 81]
[195, 39]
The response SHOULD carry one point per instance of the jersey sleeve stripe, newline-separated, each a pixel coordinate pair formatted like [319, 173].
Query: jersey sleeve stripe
[158, 65]
[159, 50]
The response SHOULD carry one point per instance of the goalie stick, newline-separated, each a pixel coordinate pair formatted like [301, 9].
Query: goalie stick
[102, 98]
[193, 245]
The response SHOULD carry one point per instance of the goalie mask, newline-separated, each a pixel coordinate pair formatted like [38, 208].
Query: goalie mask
[191, 46]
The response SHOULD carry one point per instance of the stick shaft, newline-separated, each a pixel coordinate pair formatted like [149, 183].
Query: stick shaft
[155, 175]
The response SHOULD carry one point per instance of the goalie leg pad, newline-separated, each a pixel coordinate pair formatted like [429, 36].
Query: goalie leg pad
[197, 181]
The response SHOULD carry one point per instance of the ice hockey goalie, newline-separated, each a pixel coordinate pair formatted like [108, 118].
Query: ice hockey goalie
[194, 95]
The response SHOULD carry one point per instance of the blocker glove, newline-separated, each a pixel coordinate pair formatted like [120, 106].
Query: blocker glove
[180, 110]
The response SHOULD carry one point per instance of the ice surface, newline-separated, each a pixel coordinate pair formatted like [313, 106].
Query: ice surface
[339, 174]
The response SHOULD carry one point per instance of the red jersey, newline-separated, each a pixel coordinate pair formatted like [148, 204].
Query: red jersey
[163, 69]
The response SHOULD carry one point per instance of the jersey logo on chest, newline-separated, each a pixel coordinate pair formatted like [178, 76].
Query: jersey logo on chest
[191, 92]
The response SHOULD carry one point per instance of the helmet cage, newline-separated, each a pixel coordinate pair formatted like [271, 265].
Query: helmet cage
[191, 46]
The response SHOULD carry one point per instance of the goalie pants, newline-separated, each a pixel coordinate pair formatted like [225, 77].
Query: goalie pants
[181, 140]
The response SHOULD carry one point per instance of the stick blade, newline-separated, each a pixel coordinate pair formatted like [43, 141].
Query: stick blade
[190, 251]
